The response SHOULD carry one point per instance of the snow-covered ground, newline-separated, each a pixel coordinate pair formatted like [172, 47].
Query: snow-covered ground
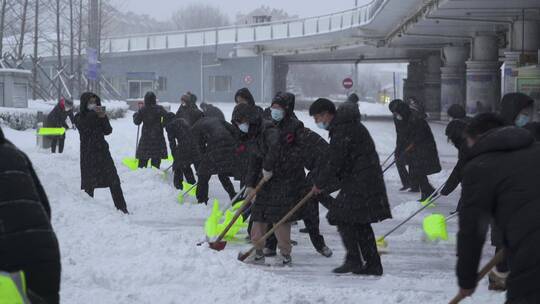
[151, 255]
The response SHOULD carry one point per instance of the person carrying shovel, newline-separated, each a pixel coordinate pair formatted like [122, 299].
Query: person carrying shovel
[353, 160]
[283, 174]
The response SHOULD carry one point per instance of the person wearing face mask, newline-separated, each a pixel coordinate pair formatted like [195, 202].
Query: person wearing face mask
[401, 145]
[97, 166]
[362, 200]
[500, 185]
[57, 119]
[188, 109]
[518, 109]
[283, 174]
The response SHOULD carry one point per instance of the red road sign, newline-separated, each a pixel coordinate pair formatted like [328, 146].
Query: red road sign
[347, 83]
[248, 79]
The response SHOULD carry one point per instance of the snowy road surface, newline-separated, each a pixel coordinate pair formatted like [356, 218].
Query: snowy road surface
[150, 256]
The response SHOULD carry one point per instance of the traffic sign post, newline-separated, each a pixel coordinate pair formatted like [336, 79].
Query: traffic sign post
[347, 84]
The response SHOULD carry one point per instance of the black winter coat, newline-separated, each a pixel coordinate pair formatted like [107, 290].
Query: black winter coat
[402, 137]
[217, 145]
[57, 118]
[512, 104]
[212, 111]
[190, 113]
[500, 181]
[183, 146]
[353, 160]
[27, 239]
[422, 157]
[97, 166]
[152, 143]
[278, 150]
[455, 132]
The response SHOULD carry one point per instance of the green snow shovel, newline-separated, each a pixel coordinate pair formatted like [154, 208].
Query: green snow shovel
[434, 226]
[381, 242]
[219, 244]
[191, 190]
[51, 131]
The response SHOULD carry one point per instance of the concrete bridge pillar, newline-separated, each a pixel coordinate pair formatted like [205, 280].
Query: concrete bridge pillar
[281, 69]
[483, 75]
[432, 86]
[413, 85]
[453, 86]
[525, 37]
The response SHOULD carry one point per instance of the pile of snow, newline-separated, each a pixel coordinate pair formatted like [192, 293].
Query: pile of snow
[404, 210]
[374, 109]
[27, 118]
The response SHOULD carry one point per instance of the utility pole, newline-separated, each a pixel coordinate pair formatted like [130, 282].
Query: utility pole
[2, 22]
[35, 59]
[79, 49]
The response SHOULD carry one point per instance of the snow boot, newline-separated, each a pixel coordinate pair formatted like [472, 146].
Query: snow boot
[304, 230]
[414, 189]
[294, 243]
[257, 258]
[269, 252]
[497, 280]
[348, 267]
[286, 259]
[404, 188]
[372, 270]
[325, 251]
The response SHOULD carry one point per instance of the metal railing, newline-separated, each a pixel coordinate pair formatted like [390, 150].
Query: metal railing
[250, 33]
[236, 34]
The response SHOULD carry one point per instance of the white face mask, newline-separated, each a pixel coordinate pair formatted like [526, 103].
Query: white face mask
[399, 117]
[277, 114]
[244, 127]
[91, 107]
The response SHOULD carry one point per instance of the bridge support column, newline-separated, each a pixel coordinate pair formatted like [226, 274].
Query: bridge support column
[483, 75]
[281, 69]
[525, 38]
[432, 86]
[413, 85]
[453, 86]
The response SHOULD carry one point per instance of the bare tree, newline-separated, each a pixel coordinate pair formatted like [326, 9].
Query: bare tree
[36, 45]
[23, 31]
[2, 22]
[196, 16]
[58, 48]
[71, 47]
[79, 47]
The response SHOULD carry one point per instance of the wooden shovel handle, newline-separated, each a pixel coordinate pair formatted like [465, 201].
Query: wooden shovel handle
[483, 272]
[240, 210]
[276, 225]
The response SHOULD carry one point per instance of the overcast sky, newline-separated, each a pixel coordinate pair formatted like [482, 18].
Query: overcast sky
[162, 9]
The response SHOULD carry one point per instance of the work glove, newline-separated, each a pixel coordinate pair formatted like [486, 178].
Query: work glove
[267, 175]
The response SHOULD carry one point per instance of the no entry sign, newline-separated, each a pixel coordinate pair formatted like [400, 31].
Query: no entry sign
[347, 83]
[248, 79]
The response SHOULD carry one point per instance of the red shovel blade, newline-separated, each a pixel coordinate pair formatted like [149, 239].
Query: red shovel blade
[217, 245]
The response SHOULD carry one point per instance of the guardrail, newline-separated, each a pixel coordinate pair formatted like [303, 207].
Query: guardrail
[251, 33]
[237, 34]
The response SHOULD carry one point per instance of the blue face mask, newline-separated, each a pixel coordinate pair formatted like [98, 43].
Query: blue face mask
[277, 114]
[244, 127]
[521, 120]
[323, 125]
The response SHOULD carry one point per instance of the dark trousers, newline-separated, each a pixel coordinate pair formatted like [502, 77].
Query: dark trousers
[403, 172]
[58, 140]
[179, 175]
[156, 162]
[497, 242]
[117, 196]
[359, 241]
[43, 283]
[202, 187]
[423, 182]
[533, 298]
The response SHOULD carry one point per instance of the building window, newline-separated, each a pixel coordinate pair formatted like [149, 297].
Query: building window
[137, 88]
[162, 83]
[220, 83]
